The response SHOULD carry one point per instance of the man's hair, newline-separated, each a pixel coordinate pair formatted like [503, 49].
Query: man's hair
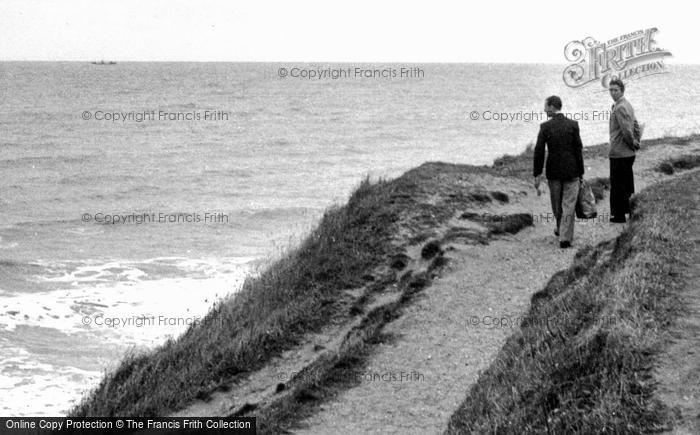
[617, 82]
[553, 101]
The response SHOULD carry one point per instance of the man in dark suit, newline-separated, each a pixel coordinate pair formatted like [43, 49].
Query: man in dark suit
[564, 166]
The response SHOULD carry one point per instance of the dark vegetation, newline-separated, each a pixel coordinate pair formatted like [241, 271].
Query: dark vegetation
[688, 161]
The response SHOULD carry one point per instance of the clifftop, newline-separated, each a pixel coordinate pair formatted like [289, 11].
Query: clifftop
[389, 282]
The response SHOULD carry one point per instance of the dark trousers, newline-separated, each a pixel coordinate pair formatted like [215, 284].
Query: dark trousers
[621, 185]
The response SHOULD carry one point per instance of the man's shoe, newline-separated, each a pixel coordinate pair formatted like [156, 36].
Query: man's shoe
[556, 233]
[618, 220]
[564, 245]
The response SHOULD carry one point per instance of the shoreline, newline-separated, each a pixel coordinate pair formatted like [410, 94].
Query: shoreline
[42, 331]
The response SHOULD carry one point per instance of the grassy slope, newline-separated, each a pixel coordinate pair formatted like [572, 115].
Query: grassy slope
[582, 361]
[292, 296]
[296, 294]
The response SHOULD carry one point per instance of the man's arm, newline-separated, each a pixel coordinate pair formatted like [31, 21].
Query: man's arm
[539, 153]
[626, 123]
[578, 149]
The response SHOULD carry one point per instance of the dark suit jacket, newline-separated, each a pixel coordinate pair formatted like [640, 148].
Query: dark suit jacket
[565, 150]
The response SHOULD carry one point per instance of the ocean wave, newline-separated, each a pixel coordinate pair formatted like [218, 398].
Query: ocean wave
[12, 144]
[278, 213]
[88, 272]
[23, 266]
[94, 272]
[109, 179]
[31, 239]
[228, 172]
[39, 331]
[167, 285]
[245, 114]
[280, 143]
[25, 383]
[67, 311]
[20, 277]
[139, 189]
[35, 160]
[43, 223]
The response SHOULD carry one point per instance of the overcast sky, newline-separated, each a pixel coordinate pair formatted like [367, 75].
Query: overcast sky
[327, 31]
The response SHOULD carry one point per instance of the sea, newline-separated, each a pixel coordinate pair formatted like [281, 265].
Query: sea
[133, 196]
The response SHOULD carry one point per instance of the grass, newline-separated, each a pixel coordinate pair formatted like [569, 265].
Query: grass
[688, 161]
[582, 361]
[296, 294]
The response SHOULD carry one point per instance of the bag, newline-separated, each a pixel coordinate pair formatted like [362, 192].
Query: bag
[637, 131]
[585, 203]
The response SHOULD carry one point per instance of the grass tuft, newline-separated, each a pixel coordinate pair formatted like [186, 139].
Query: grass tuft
[599, 185]
[511, 223]
[480, 197]
[430, 249]
[688, 161]
[500, 196]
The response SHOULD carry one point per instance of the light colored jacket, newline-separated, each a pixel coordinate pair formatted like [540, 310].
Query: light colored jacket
[621, 129]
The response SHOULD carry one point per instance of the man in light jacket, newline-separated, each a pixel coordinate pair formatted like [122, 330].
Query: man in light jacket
[622, 152]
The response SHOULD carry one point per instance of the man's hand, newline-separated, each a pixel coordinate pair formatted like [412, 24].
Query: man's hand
[538, 180]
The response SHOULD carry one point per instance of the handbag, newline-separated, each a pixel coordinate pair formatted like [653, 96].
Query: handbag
[585, 203]
[637, 132]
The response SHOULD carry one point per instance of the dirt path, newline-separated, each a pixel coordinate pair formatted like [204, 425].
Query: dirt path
[455, 328]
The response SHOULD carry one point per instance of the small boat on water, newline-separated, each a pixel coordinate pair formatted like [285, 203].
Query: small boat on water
[102, 62]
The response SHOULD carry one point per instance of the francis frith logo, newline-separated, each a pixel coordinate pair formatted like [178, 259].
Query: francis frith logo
[630, 56]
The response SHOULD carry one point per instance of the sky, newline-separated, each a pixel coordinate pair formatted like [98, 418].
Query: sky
[327, 31]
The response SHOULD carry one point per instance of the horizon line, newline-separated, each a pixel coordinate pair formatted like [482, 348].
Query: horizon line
[304, 61]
